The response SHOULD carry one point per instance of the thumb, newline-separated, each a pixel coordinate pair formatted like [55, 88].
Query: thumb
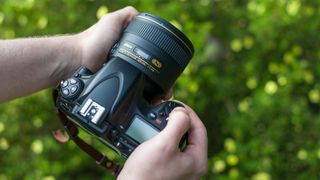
[178, 125]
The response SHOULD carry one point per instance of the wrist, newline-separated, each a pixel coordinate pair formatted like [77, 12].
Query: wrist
[71, 55]
[125, 175]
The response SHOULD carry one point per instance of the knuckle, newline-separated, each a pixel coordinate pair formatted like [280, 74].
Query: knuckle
[182, 111]
[180, 116]
[131, 9]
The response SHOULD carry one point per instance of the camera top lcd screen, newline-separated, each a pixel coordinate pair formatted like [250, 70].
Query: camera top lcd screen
[140, 130]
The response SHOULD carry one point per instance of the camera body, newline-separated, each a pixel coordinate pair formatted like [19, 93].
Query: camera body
[110, 105]
[113, 104]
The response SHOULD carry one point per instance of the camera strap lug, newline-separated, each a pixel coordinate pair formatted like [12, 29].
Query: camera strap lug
[72, 131]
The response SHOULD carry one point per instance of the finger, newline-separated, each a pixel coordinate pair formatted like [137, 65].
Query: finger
[168, 95]
[156, 102]
[60, 136]
[197, 135]
[197, 139]
[159, 100]
[178, 124]
[125, 15]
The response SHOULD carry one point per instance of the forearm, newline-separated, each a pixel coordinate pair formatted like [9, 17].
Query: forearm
[31, 64]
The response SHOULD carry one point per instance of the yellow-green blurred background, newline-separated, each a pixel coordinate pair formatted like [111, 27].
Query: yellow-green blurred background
[254, 81]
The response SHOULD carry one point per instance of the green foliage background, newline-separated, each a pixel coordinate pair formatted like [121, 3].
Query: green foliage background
[254, 81]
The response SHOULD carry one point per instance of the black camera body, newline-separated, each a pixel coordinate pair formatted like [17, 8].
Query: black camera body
[114, 103]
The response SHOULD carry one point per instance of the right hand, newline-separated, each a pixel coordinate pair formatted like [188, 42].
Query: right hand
[161, 158]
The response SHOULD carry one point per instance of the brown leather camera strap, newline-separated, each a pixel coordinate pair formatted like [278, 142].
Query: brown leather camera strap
[72, 131]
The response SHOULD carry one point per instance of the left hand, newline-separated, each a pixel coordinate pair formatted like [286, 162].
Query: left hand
[96, 42]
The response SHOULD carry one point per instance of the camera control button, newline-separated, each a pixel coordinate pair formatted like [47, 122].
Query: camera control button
[114, 133]
[64, 84]
[118, 144]
[73, 81]
[161, 113]
[153, 115]
[65, 92]
[73, 89]
[93, 111]
[158, 121]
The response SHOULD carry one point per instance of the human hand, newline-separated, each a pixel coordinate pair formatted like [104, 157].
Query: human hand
[96, 41]
[161, 158]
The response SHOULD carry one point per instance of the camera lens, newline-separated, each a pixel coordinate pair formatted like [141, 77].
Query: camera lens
[155, 47]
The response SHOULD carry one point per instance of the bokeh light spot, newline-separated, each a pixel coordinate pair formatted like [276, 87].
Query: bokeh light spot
[22, 20]
[252, 83]
[218, 166]
[234, 173]
[4, 144]
[37, 122]
[48, 178]
[314, 96]
[1, 18]
[37, 146]
[244, 106]
[274, 68]
[282, 80]
[236, 45]
[193, 87]
[261, 176]
[302, 154]
[248, 42]
[288, 58]
[2, 127]
[102, 11]
[271, 87]
[230, 145]
[232, 160]
[297, 50]
[308, 77]
[42, 22]
[293, 7]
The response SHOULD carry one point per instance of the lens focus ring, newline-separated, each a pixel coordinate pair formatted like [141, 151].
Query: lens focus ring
[161, 36]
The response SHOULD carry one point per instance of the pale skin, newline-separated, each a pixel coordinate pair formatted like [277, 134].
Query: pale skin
[28, 65]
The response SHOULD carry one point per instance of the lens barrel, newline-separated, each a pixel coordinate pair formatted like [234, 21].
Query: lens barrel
[156, 47]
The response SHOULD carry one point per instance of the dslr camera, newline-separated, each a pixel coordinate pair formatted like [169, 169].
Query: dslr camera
[113, 104]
